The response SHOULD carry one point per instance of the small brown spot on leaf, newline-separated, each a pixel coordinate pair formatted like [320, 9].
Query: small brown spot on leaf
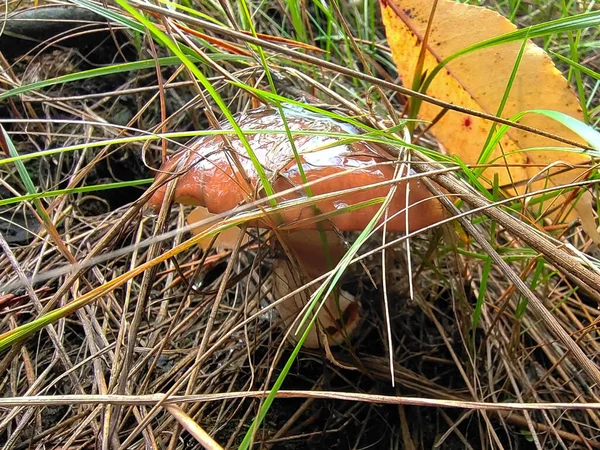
[467, 122]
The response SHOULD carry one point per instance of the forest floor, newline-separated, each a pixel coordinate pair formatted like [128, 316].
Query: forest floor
[77, 231]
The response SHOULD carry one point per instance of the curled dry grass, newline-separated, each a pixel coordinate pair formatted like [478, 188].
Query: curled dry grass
[182, 353]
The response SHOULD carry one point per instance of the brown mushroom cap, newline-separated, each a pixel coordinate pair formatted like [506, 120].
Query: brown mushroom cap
[214, 181]
[211, 178]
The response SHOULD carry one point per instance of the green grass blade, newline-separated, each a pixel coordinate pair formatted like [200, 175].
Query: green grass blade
[295, 8]
[487, 149]
[93, 73]
[586, 132]
[574, 23]
[77, 190]
[24, 175]
[171, 45]
[323, 292]
[487, 268]
[577, 66]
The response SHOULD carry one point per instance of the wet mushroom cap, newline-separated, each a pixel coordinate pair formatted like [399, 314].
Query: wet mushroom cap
[210, 175]
[215, 172]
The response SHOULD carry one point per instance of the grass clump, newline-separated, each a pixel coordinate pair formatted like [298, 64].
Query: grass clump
[127, 335]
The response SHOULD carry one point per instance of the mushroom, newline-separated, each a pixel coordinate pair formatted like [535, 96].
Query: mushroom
[220, 176]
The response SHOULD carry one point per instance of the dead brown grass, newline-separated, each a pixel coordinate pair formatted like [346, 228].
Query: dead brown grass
[197, 326]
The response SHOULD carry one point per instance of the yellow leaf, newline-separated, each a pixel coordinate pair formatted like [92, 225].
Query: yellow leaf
[478, 81]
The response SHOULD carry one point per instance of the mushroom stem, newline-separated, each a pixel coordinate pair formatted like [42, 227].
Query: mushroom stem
[340, 314]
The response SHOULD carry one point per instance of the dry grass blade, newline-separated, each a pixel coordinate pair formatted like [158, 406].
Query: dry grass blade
[588, 366]
[193, 428]
[572, 266]
[154, 399]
